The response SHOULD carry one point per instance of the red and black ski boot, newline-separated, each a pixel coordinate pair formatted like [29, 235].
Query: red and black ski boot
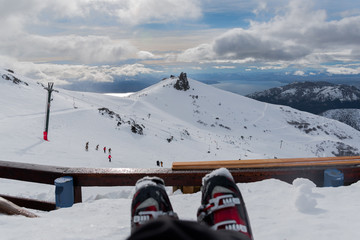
[150, 201]
[222, 206]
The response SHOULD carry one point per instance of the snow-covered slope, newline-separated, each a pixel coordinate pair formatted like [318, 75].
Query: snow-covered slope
[202, 123]
[350, 116]
[159, 123]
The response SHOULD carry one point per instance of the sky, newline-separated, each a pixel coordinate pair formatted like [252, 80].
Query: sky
[234, 44]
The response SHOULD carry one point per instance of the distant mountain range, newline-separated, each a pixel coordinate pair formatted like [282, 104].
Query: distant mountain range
[318, 98]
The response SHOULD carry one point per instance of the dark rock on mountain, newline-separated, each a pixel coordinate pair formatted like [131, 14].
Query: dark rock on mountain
[11, 77]
[182, 83]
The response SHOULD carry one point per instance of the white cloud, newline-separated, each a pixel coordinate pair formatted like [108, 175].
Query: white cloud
[125, 11]
[88, 49]
[196, 68]
[299, 73]
[150, 11]
[343, 70]
[145, 55]
[130, 70]
[65, 73]
[298, 34]
[201, 52]
[224, 67]
[26, 33]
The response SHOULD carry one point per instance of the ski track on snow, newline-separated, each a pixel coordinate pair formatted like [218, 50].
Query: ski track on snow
[262, 113]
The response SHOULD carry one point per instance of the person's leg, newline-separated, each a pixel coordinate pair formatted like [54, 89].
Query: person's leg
[222, 209]
[150, 202]
[222, 206]
[172, 229]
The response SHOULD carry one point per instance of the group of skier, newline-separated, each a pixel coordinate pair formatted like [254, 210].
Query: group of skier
[97, 149]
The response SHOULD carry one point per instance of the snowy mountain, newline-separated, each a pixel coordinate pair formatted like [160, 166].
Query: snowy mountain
[159, 123]
[350, 117]
[163, 123]
[314, 97]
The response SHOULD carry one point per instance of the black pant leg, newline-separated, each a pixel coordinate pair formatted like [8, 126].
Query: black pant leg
[168, 228]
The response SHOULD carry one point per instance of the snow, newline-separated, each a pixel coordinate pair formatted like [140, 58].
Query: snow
[305, 199]
[63, 180]
[289, 92]
[274, 208]
[149, 181]
[202, 123]
[349, 116]
[218, 172]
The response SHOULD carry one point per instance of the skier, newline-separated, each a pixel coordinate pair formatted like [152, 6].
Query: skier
[222, 208]
[87, 146]
[104, 149]
[109, 158]
[161, 163]
[97, 147]
[158, 163]
[109, 150]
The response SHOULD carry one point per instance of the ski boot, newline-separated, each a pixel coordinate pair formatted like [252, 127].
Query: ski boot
[222, 206]
[150, 201]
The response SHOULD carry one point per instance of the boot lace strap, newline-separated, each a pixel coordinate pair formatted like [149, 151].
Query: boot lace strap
[220, 202]
[145, 216]
[230, 225]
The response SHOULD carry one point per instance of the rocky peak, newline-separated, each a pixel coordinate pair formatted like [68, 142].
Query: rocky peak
[182, 83]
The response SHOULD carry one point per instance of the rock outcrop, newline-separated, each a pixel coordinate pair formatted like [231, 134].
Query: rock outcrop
[182, 83]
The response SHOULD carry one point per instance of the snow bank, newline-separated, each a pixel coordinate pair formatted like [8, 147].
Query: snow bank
[274, 208]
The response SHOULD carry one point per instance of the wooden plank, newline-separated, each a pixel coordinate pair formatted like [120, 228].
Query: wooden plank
[30, 172]
[77, 194]
[9, 208]
[194, 177]
[261, 163]
[31, 203]
[129, 177]
[249, 165]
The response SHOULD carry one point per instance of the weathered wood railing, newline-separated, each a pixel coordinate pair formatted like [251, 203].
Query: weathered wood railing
[180, 175]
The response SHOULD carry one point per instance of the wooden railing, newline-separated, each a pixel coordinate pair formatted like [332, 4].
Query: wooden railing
[268, 163]
[180, 175]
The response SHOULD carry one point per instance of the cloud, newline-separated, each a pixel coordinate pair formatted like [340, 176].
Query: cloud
[343, 70]
[88, 49]
[125, 11]
[298, 34]
[201, 52]
[241, 44]
[40, 30]
[299, 73]
[63, 74]
[145, 55]
[152, 11]
[224, 67]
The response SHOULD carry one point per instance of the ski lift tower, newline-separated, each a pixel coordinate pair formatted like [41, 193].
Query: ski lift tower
[49, 89]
